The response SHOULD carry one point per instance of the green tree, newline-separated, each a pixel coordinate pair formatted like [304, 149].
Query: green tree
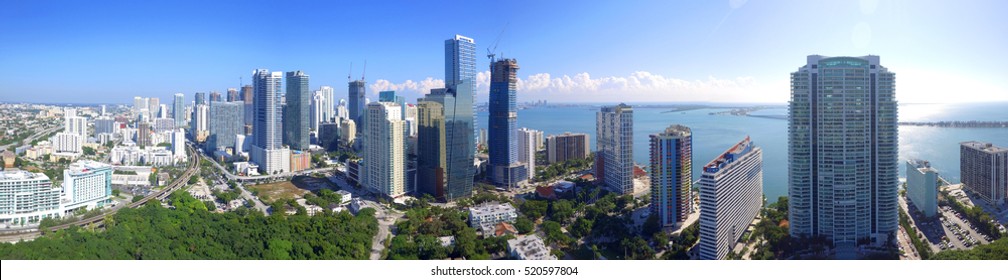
[523, 225]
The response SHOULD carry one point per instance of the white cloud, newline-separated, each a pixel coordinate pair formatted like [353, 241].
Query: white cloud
[640, 86]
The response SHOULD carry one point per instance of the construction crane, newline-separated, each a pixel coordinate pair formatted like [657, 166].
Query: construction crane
[349, 73]
[491, 50]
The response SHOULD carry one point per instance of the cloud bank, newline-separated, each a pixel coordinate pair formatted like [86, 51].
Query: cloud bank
[640, 86]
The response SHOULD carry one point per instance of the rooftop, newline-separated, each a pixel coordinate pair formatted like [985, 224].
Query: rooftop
[12, 175]
[490, 208]
[729, 156]
[985, 147]
[84, 166]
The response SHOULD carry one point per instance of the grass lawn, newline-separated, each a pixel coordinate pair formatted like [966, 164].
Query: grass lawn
[293, 189]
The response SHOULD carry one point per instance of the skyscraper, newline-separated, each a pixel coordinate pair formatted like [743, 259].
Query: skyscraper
[614, 135]
[247, 98]
[178, 109]
[842, 152]
[984, 170]
[384, 165]
[357, 102]
[731, 194]
[225, 123]
[297, 112]
[502, 140]
[567, 146]
[460, 66]
[671, 174]
[153, 107]
[200, 98]
[199, 125]
[268, 111]
[444, 144]
[74, 124]
[215, 96]
[232, 95]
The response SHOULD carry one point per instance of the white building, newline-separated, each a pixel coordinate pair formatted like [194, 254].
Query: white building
[27, 198]
[67, 143]
[491, 214]
[271, 161]
[922, 186]
[86, 184]
[614, 137]
[384, 168]
[527, 149]
[529, 247]
[731, 194]
[73, 124]
[178, 145]
[345, 196]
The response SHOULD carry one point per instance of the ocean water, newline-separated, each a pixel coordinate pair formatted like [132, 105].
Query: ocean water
[713, 134]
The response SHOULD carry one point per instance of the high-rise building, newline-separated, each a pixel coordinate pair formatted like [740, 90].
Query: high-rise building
[247, 98]
[460, 66]
[232, 95]
[983, 168]
[322, 107]
[384, 165]
[502, 140]
[67, 143]
[162, 112]
[444, 143]
[139, 104]
[105, 125]
[178, 109]
[199, 123]
[178, 145]
[357, 102]
[267, 150]
[87, 185]
[341, 110]
[567, 146]
[266, 131]
[671, 174]
[614, 137]
[922, 186]
[527, 149]
[297, 112]
[731, 194]
[143, 137]
[200, 98]
[226, 122]
[74, 124]
[842, 152]
[215, 96]
[348, 132]
[27, 198]
[154, 106]
[328, 136]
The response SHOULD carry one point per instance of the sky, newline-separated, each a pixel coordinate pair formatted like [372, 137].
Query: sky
[568, 51]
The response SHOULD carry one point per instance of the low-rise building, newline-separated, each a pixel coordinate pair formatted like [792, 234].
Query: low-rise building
[491, 213]
[529, 247]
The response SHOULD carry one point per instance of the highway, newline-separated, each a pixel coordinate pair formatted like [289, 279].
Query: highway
[36, 135]
[162, 194]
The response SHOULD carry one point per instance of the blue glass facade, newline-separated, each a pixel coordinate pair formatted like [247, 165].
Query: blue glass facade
[502, 135]
[296, 112]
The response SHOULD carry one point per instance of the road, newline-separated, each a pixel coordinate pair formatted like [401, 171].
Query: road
[231, 176]
[907, 246]
[32, 138]
[179, 182]
[255, 200]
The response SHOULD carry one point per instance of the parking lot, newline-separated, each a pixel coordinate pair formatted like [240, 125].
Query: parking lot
[947, 231]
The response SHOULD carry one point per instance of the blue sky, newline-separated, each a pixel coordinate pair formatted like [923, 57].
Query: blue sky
[568, 51]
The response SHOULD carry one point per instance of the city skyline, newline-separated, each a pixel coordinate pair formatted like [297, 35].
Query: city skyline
[695, 57]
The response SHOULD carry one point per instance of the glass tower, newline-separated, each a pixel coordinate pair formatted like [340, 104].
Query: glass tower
[842, 152]
[178, 109]
[357, 102]
[296, 112]
[268, 110]
[460, 66]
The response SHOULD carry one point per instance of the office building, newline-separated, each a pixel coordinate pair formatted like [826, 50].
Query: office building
[357, 102]
[266, 131]
[384, 155]
[445, 150]
[153, 107]
[671, 175]
[199, 126]
[226, 122]
[567, 146]
[297, 112]
[922, 187]
[842, 152]
[527, 149]
[178, 109]
[200, 98]
[460, 67]
[329, 136]
[983, 170]
[27, 198]
[86, 184]
[731, 194]
[614, 137]
[215, 96]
